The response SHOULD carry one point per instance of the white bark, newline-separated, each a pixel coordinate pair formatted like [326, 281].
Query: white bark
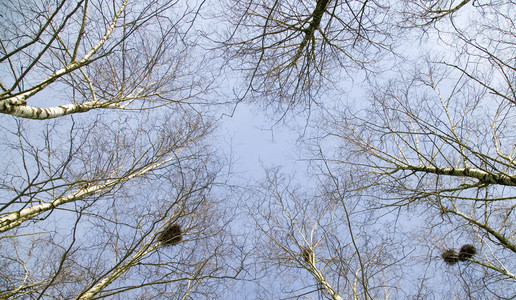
[320, 278]
[118, 271]
[31, 112]
[17, 104]
[14, 219]
[483, 176]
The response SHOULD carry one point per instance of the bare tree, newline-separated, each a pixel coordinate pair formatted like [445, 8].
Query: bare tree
[88, 199]
[424, 13]
[440, 143]
[291, 52]
[320, 243]
[83, 213]
[411, 191]
[431, 150]
[90, 165]
[96, 55]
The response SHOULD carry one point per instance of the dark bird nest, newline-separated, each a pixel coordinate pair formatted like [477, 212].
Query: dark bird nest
[466, 252]
[450, 257]
[171, 235]
[307, 254]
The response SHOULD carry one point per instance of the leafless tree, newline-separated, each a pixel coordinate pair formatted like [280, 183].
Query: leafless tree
[431, 151]
[291, 51]
[82, 217]
[86, 198]
[410, 194]
[95, 54]
[320, 243]
[438, 141]
[424, 13]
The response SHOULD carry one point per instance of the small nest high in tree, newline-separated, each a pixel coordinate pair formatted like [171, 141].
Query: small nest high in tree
[466, 252]
[450, 257]
[308, 255]
[171, 235]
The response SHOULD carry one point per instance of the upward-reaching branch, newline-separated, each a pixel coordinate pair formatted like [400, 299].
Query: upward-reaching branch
[17, 104]
[16, 218]
[317, 14]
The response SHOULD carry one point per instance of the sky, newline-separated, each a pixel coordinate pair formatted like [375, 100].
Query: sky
[255, 144]
[253, 141]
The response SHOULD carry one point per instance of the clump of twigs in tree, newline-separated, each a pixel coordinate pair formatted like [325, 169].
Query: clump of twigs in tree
[171, 235]
[450, 257]
[308, 255]
[466, 252]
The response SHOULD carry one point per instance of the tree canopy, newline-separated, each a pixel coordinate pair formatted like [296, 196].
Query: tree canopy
[118, 181]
